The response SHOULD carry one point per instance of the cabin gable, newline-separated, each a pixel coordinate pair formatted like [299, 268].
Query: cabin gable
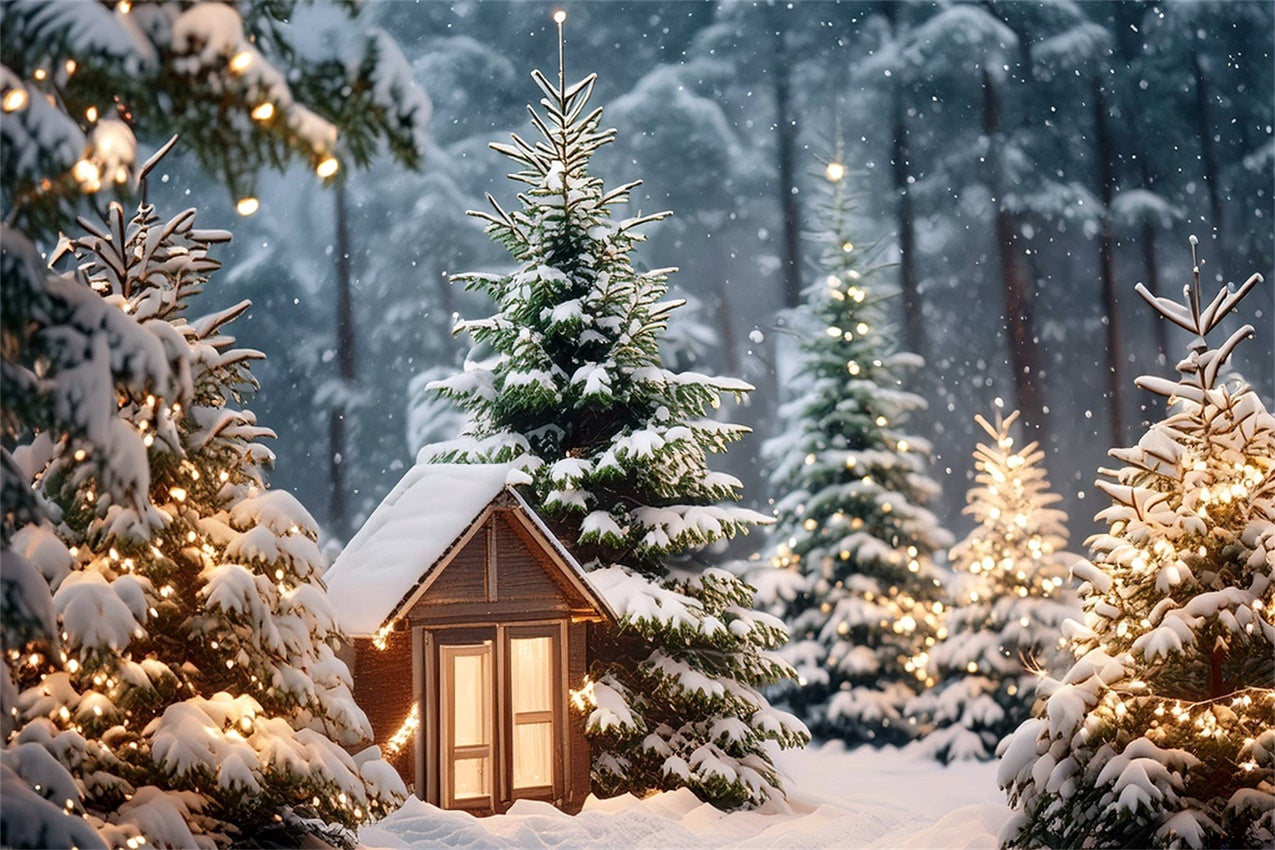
[468, 620]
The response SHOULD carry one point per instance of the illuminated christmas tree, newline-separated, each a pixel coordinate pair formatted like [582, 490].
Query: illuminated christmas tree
[853, 573]
[1160, 734]
[1008, 596]
[617, 446]
[196, 695]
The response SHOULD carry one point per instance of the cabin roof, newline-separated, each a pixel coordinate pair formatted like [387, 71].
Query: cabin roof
[414, 530]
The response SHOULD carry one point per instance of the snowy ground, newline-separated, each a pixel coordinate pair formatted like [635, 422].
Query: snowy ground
[864, 798]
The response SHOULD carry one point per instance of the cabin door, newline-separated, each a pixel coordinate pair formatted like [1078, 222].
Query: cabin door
[500, 732]
[468, 732]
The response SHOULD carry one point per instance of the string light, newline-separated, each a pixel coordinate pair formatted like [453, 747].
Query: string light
[834, 172]
[406, 731]
[247, 205]
[327, 167]
[240, 62]
[14, 99]
[263, 112]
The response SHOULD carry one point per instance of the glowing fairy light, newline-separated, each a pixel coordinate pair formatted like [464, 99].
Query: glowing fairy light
[406, 731]
[263, 112]
[240, 62]
[14, 99]
[248, 205]
[834, 172]
[327, 167]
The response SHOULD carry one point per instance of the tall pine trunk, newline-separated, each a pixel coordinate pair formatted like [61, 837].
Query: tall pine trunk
[913, 322]
[337, 510]
[1208, 156]
[786, 152]
[1106, 264]
[1016, 286]
[900, 166]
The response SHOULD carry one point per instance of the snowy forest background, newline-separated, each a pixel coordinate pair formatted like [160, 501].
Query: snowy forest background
[1131, 124]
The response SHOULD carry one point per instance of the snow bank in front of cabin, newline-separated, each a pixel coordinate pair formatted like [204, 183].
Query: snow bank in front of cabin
[862, 798]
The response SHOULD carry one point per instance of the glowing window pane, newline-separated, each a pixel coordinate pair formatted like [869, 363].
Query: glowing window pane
[532, 685]
[469, 700]
[533, 757]
[470, 778]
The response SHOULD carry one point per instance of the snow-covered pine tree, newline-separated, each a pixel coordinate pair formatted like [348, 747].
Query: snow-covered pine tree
[617, 444]
[1008, 596]
[1160, 734]
[197, 697]
[852, 571]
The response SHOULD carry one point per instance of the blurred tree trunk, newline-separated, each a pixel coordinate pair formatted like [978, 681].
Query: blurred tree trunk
[1208, 156]
[1016, 285]
[1106, 156]
[900, 168]
[345, 354]
[786, 153]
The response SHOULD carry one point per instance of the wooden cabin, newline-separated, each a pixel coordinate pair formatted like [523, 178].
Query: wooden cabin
[467, 619]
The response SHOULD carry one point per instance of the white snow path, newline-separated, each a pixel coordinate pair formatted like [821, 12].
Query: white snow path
[863, 798]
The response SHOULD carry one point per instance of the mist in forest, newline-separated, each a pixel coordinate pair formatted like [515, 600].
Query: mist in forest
[1018, 167]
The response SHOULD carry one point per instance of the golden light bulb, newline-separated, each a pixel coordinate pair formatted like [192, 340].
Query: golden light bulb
[327, 167]
[559, 16]
[14, 99]
[835, 171]
[87, 174]
[263, 112]
[240, 62]
[247, 205]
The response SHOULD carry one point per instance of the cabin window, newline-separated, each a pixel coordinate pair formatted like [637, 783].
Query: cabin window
[532, 686]
[467, 722]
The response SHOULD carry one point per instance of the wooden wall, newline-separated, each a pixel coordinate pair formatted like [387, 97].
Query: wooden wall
[383, 689]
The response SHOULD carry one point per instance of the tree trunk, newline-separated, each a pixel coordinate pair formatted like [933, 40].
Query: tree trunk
[913, 321]
[786, 150]
[1016, 288]
[1106, 264]
[1208, 157]
[337, 510]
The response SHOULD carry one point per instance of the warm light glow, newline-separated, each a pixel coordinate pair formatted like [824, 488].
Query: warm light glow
[124, 7]
[406, 731]
[381, 639]
[240, 62]
[177, 493]
[87, 174]
[247, 205]
[559, 16]
[14, 99]
[264, 112]
[835, 171]
[327, 167]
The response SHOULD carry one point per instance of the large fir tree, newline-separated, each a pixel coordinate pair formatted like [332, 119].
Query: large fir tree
[574, 390]
[1008, 595]
[852, 571]
[196, 696]
[1160, 733]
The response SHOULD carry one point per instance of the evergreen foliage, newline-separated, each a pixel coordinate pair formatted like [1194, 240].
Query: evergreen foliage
[1009, 595]
[194, 693]
[1160, 733]
[853, 570]
[617, 445]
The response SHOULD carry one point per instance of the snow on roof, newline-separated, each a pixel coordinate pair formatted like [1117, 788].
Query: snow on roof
[414, 527]
[407, 533]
